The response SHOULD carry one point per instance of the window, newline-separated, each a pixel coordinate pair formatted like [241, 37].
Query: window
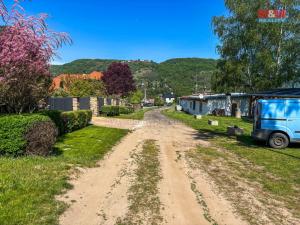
[200, 107]
[194, 105]
[191, 104]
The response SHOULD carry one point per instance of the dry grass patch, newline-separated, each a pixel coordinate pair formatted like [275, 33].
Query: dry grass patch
[145, 205]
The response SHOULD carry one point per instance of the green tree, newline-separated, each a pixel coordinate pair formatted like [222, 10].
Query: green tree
[254, 55]
[136, 97]
[158, 101]
[60, 92]
[85, 88]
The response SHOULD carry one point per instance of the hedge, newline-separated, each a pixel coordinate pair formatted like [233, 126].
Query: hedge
[67, 122]
[31, 134]
[110, 110]
[126, 110]
[116, 110]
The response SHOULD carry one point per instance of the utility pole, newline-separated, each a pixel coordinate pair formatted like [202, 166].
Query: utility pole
[196, 83]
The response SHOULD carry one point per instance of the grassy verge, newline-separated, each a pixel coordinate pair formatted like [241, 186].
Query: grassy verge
[28, 185]
[276, 171]
[138, 115]
[143, 196]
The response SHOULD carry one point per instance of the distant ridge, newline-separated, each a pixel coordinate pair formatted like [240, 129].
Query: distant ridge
[179, 75]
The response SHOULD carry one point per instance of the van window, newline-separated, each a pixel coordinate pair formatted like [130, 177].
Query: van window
[275, 110]
[293, 109]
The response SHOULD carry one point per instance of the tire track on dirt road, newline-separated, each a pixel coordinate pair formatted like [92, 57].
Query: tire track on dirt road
[100, 195]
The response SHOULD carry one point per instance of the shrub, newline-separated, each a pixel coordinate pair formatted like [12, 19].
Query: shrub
[55, 116]
[75, 120]
[116, 110]
[158, 101]
[110, 110]
[26, 135]
[67, 122]
[125, 110]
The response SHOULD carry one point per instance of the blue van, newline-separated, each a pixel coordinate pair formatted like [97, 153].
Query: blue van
[277, 121]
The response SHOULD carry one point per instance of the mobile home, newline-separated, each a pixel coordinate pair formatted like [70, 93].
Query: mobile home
[232, 104]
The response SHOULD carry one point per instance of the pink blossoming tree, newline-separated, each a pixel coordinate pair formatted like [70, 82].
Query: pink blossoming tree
[26, 48]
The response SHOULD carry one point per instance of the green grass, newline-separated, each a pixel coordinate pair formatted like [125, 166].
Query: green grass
[137, 115]
[28, 185]
[282, 165]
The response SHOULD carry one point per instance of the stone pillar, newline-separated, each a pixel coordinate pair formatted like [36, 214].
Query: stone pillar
[94, 106]
[76, 104]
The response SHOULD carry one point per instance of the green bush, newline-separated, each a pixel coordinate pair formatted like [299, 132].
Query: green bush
[158, 101]
[109, 110]
[125, 110]
[75, 120]
[67, 122]
[55, 116]
[32, 134]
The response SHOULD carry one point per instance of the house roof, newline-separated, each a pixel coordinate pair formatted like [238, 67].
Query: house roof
[213, 96]
[275, 93]
[283, 93]
[168, 95]
[57, 80]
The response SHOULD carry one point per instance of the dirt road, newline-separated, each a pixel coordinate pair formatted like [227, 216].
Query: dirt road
[100, 195]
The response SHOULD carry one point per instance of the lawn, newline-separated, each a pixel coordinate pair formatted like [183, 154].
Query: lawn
[137, 115]
[28, 185]
[277, 171]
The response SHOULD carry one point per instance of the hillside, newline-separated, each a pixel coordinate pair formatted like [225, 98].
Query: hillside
[187, 75]
[183, 76]
[90, 65]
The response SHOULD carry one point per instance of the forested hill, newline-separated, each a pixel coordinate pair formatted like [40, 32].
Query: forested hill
[187, 75]
[183, 76]
[90, 65]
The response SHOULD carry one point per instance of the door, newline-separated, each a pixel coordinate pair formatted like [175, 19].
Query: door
[293, 118]
[233, 109]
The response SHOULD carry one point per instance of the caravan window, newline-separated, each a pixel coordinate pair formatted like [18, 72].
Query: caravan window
[194, 105]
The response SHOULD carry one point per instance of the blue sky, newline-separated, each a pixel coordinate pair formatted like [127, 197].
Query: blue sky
[133, 29]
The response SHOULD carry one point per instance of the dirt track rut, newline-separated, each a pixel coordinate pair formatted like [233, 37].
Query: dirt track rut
[188, 198]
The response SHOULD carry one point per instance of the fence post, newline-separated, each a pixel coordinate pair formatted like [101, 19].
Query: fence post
[94, 105]
[76, 104]
[104, 101]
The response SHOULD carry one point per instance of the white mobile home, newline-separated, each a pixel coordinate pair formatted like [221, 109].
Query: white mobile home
[232, 104]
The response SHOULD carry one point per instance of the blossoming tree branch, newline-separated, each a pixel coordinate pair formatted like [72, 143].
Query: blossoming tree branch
[27, 46]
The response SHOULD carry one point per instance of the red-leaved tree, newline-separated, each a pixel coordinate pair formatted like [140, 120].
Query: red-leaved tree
[118, 79]
[26, 49]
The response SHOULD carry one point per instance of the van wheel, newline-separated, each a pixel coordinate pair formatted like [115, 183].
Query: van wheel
[278, 140]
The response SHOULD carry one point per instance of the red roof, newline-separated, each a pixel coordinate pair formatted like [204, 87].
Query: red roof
[56, 82]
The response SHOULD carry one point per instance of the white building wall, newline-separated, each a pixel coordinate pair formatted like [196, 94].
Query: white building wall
[211, 104]
[243, 104]
[169, 100]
